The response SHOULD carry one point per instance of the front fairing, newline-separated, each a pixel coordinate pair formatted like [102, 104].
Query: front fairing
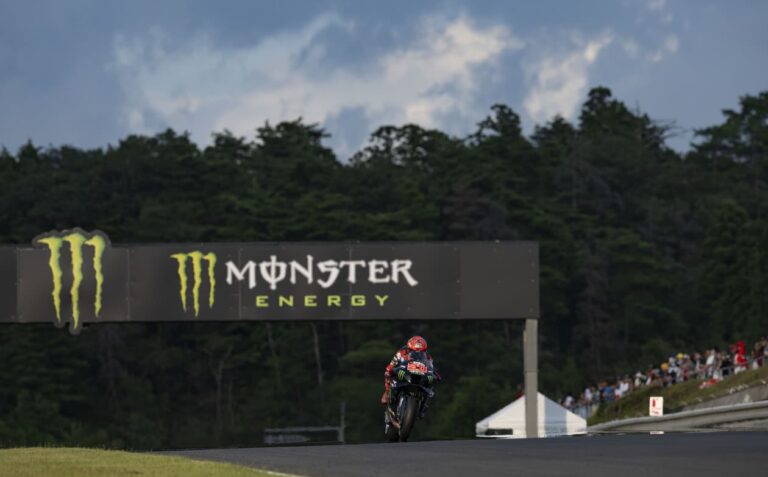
[401, 386]
[415, 379]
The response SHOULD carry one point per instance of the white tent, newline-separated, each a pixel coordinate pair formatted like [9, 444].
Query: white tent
[509, 421]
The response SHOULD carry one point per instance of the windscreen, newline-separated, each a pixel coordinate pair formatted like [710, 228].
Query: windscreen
[419, 356]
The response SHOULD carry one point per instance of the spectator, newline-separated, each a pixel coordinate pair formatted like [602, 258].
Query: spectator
[711, 366]
[673, 370]
[686, 368]
[726, 365]
[640, 379]
[665, 377]
[608, 393]
[758, 354]
[654, 376]
[740, 358]
[568, 401]
[588, 395]
[698, 365]
[600, 396]
[618, 392]
[765, 351]
[710, 363]
[624, 387]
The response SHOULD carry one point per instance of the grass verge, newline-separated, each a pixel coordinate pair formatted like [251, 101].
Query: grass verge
[77, 462]
[678, 396]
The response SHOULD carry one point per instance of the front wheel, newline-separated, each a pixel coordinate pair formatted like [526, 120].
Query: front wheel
[407, 416]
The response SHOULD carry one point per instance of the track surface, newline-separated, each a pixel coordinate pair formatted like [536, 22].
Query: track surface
[700, 454]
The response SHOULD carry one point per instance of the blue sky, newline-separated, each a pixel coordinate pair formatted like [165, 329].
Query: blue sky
[88, 73]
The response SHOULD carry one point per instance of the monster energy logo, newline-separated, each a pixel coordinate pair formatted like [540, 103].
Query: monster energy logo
[196, 258]
[75, 240]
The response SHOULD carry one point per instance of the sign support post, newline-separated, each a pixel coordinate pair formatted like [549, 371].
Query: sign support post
[531, 370]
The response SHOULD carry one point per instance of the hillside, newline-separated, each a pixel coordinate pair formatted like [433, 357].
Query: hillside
[678, 396]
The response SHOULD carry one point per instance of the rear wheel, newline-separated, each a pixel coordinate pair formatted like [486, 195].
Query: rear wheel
[407, 416]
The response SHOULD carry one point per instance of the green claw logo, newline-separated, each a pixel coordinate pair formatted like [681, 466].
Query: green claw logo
[197, 258]
[75, 239]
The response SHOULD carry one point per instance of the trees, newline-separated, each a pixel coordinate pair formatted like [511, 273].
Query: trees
[731, 160]
[642, 249]
[733, 274]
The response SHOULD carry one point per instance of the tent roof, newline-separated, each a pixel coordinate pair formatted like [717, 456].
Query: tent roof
[553, 419]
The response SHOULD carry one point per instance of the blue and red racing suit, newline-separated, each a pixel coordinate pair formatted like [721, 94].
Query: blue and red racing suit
[402, 358]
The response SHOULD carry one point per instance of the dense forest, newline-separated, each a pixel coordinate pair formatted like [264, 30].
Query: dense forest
[644, 251]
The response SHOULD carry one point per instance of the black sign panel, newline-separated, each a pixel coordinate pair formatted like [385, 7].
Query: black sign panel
[77, 277]
[173, 283]
[7, 284]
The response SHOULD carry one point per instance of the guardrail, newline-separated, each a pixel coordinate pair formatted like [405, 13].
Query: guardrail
[686, 420]
[309, 434]
[303, 435]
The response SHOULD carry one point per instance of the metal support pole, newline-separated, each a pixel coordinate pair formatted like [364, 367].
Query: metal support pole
[343, 423]
[531, 369]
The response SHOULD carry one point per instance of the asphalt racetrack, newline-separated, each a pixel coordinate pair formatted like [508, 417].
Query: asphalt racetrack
[694, 454]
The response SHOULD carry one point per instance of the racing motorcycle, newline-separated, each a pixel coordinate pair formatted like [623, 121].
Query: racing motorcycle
[412, 386]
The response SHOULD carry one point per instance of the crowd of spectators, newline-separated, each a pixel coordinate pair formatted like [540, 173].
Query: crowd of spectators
[710, 367]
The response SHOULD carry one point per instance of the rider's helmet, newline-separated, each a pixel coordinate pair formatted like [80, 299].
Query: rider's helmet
[417, 343]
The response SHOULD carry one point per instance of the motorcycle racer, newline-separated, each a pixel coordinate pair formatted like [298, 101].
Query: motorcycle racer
[401, 357]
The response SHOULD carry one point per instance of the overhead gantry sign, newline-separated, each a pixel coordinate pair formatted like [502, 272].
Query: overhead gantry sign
[76, 277]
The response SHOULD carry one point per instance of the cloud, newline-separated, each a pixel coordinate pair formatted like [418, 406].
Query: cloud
[558, 82]
[203, 87]
[669, 47]
[660, 7]
[631, 48]
[656, 5]
[671, 44]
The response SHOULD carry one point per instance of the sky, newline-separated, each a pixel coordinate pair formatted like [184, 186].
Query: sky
[88, 73]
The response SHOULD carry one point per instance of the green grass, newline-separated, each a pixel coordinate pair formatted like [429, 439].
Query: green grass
[677, 397]
[76, 462]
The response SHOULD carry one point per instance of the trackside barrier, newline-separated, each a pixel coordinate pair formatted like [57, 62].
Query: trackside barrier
[309, 434]
[303, 435]
[686, 420]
